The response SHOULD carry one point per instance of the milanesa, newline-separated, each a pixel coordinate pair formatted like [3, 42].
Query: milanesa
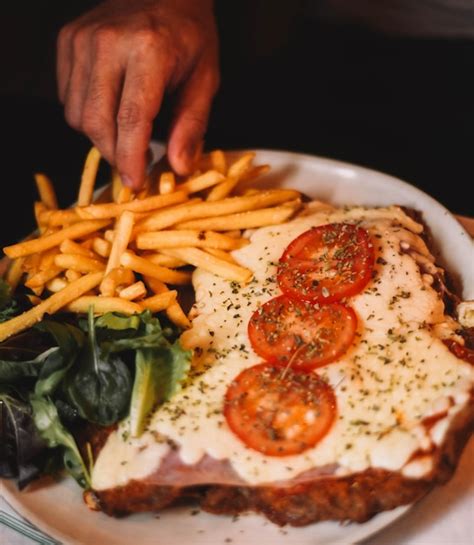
[404, 400]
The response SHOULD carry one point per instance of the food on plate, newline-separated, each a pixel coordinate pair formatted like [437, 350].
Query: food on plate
[322, 372]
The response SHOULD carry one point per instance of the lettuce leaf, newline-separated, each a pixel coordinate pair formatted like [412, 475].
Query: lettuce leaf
[52, 431]
[160, 366]
[21, 446]
[99, 385]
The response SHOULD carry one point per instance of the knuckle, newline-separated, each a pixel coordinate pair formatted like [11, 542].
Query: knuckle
[65, 35]
[147, 38]
[197, 119]
[130, 116]
[79, 40]
[94, 125]
[104, 37]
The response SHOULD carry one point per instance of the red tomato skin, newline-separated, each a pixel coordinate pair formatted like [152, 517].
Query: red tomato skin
[254, 432]
[295, 266]
[462, 352]
[259, 331]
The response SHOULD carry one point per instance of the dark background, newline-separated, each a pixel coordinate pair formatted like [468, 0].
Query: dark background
[389, 100]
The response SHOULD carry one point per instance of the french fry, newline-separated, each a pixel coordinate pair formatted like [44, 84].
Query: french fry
[87, 242]
[244, 220]
[113, 210]
[102, 305]
[165, 260]
[109, 235]
[164, 218]
[31, 263]
[255, 172]
[218, 161]
[89, 173]
[178, 239]
[235, 173]
[146, 189]
[15, 273]
[222, 190]
[241, 165]
[34, 299]
[115, 184]
[101, 246]
[134, 291]
[251, 191]
[58, 218]
[166, 183]
[172, 216]
[68, 246]
[39, 209]
[122, 233]
[219, 267]
[125, 195]
[56, 284]
[77, 230]
[115, 280]
[47, 259]
[203, 181]
[174, 311]
[143, 266]
[221, 254]
[72, 275]
[159, 302]
[46, 191]
[79, 263]
[235, 233]
[51, 305]
[39, 279]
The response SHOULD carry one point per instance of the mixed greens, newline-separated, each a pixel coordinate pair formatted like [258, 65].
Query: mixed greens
[64, 373]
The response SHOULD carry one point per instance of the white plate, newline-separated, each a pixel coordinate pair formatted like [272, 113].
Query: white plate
[58, 509]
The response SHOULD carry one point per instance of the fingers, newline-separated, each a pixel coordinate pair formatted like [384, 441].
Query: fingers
[63, 60]
[191, 116]
[102, 97]
[77, 84]
[146, 77]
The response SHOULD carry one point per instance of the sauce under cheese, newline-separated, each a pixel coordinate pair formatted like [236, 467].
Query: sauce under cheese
[397, 373]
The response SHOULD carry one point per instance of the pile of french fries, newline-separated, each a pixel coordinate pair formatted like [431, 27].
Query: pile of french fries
[125, 252]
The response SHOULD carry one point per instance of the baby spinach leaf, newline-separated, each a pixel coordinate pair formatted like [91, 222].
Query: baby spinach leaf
[12, 371]
[69, 340]
[52, 431]
[21, 446]
[98, 386]
[150, 334]
[26, 345]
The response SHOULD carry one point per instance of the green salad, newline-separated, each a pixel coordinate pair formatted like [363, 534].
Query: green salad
[66, 373]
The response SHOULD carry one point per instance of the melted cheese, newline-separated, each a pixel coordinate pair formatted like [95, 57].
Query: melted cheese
[397, 373]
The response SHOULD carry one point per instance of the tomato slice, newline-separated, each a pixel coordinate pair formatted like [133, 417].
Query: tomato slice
[302, 334]
[460, 351]
[327, 263]
[279, 412]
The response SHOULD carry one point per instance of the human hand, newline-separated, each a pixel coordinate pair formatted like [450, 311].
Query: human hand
[114, 65]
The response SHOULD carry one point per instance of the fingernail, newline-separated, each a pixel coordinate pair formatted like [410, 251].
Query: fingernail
[127, 181]
[193, 151]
